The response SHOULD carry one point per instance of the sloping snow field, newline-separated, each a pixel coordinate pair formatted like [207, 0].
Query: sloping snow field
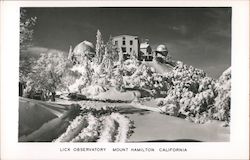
[156, 127]
[159, 67]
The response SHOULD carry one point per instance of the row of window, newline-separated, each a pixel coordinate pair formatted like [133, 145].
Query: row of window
[124, 42]
[124, 49]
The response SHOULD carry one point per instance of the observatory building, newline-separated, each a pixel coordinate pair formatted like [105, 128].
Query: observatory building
[127, 45]
[83, 48]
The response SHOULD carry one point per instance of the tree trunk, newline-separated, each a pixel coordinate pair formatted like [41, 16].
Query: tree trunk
[53, 96]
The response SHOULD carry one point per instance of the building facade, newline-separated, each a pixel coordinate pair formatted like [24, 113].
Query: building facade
[145, 52]
[127, 45]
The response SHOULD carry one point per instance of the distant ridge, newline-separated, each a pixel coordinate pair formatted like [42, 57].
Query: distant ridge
[35, 52]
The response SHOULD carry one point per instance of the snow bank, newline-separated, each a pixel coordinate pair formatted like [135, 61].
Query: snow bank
[102, 125]
[89, 133]
[73, 129]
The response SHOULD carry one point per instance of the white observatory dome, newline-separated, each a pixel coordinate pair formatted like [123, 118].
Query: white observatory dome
[161, 48]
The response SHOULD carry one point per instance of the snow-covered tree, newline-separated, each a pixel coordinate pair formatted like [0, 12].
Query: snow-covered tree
[223, 100]
[85, 75]
[99, 47]
[25, 67]
[118, 77]
[121, 59]
[26, 35]
[48, 72]
[110, 56]
[193, 95]
[68, 79]
[86, 72]
[143, 77]
[130, 66]
[26, 29]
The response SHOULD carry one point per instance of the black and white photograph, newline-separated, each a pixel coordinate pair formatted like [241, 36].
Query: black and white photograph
[125, 74]
[122, 79]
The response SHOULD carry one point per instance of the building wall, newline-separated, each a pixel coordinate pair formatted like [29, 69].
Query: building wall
[127, 48]
[146, 54]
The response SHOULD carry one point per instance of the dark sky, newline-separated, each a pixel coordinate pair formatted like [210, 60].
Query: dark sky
[197, 36]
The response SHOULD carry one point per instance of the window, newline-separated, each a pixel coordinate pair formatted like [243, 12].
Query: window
[131, 43]
[116, 43]
[123, 41]
[123, 49]
[130, 49]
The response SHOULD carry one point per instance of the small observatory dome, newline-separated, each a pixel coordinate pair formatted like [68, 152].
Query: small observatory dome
[161, 48]
[82, 47]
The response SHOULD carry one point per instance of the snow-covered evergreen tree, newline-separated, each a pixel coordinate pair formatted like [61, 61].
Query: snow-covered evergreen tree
[99, 47]
[86, 72]
[118, 76]
[110, 56]
[121, 59]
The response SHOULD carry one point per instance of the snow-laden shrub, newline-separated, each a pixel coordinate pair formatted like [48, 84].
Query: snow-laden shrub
[206, 83]
[185, 76]
[73, 88]
[195, 96]
[170, 105]
[116, 128]
[85, 79]
[90, 133]
[117, 80]
[222, 104]
[73, 129]
[93, 90]
[124, 125]
[108, 130]
[98, 125]
[69, 79]
[130, 66]
[146, 78]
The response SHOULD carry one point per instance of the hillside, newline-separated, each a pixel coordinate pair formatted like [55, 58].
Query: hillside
[165, 100]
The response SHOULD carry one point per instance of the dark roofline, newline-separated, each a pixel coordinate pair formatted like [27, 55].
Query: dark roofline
[124, 35]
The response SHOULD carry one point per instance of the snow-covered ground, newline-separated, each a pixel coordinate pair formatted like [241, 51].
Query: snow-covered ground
[149, 125]
[153, 126]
